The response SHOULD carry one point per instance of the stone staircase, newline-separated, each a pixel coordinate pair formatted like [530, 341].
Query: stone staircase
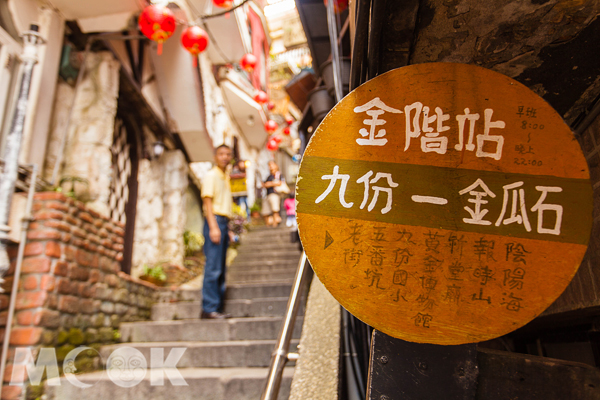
[223, 359]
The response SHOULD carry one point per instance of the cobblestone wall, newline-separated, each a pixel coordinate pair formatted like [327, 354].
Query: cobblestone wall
[71, 291]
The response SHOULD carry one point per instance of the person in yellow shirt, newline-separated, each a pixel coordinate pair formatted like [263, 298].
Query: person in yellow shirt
[217, 206]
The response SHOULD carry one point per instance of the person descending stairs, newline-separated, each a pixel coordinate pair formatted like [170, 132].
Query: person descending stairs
[216, 359]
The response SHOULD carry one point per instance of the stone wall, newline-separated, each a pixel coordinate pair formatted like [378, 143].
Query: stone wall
[161, 211]
[172, 226]
[87, 152]
[71, 292]
[218, 123]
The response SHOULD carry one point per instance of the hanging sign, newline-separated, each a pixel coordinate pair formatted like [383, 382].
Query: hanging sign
[444, 203]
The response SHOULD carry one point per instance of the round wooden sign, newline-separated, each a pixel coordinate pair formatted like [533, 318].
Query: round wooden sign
[444, 203]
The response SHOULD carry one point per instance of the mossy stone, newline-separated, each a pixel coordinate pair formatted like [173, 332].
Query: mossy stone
[62, 351]
[76, 336]
[62, 337]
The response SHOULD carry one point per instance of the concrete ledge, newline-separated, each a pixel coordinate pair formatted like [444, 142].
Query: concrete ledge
[317, 370]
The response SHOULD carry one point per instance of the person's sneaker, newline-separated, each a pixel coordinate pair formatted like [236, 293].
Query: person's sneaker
[214, 315]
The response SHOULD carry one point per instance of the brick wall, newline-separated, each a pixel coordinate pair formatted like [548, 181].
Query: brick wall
[71, 290]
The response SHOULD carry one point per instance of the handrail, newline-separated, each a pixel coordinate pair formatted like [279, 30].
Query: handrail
[27, 218]
[281, 354]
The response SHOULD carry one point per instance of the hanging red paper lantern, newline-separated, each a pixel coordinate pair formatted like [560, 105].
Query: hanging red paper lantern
[270, 106]
[261, 97]
[271, 126]
[195, 40]
[339, 6]
[248, 62]
[286, 131]
[289, 121]
[278, 139]
[223, 3]
[157, 23]
[272, 145]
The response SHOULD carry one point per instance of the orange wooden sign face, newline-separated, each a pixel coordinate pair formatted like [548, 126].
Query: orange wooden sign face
[444, 203]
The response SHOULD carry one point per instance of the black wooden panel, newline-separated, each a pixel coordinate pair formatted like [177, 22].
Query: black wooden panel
[506, 376]
[401, 370]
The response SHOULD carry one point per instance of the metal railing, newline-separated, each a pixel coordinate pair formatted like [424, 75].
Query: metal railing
[27, 218]
[281, 355]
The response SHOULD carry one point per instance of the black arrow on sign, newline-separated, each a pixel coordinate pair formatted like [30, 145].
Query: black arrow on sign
[328, 240]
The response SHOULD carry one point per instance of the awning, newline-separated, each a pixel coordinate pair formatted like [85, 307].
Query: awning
[246, 112]
[179, 84]
[230, 38]
[99, 16]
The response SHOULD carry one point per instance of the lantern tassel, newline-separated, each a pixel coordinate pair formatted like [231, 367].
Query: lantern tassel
[159, 48]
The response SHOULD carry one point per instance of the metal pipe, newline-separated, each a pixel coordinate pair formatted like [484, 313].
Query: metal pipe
[376, 27]
[281, 354]
[27, 218]
[335, 53]
[14, 140]
[358, 67]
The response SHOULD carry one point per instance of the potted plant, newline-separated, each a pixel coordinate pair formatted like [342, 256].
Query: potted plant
[255, 210]
[155, 275]
[192, 242]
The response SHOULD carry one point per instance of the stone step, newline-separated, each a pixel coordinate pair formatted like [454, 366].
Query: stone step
[234, 291]
[261, 276]
[269, 255]
[258, 241]
[290, 247]
[264, 267]
[284, 234]
[240, 263]
[200, 384]
[267, 307]
[257, 290]
[255, 328]
[258, 230]
[242, 353]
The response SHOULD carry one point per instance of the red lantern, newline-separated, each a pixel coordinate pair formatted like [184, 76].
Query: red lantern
[261, 97]
[248, 62]
[278, 139]
[339, 6]
[271, 126]
[223, 3]
[157, 23]
[289, 121]
[272, 145]
[270, 106]
[195, 40]
[286, 131]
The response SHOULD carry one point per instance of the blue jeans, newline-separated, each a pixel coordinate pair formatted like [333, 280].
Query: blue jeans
[244, 200]
[213, 289]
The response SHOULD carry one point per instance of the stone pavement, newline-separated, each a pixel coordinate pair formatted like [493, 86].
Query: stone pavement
[222, 359]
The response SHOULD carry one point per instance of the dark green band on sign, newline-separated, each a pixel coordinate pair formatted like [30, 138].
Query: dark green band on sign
[430, 196]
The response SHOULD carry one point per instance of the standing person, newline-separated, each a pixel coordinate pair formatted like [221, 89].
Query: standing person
[271, 204]
[217, 200]
[290, 210]
[238, 177]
